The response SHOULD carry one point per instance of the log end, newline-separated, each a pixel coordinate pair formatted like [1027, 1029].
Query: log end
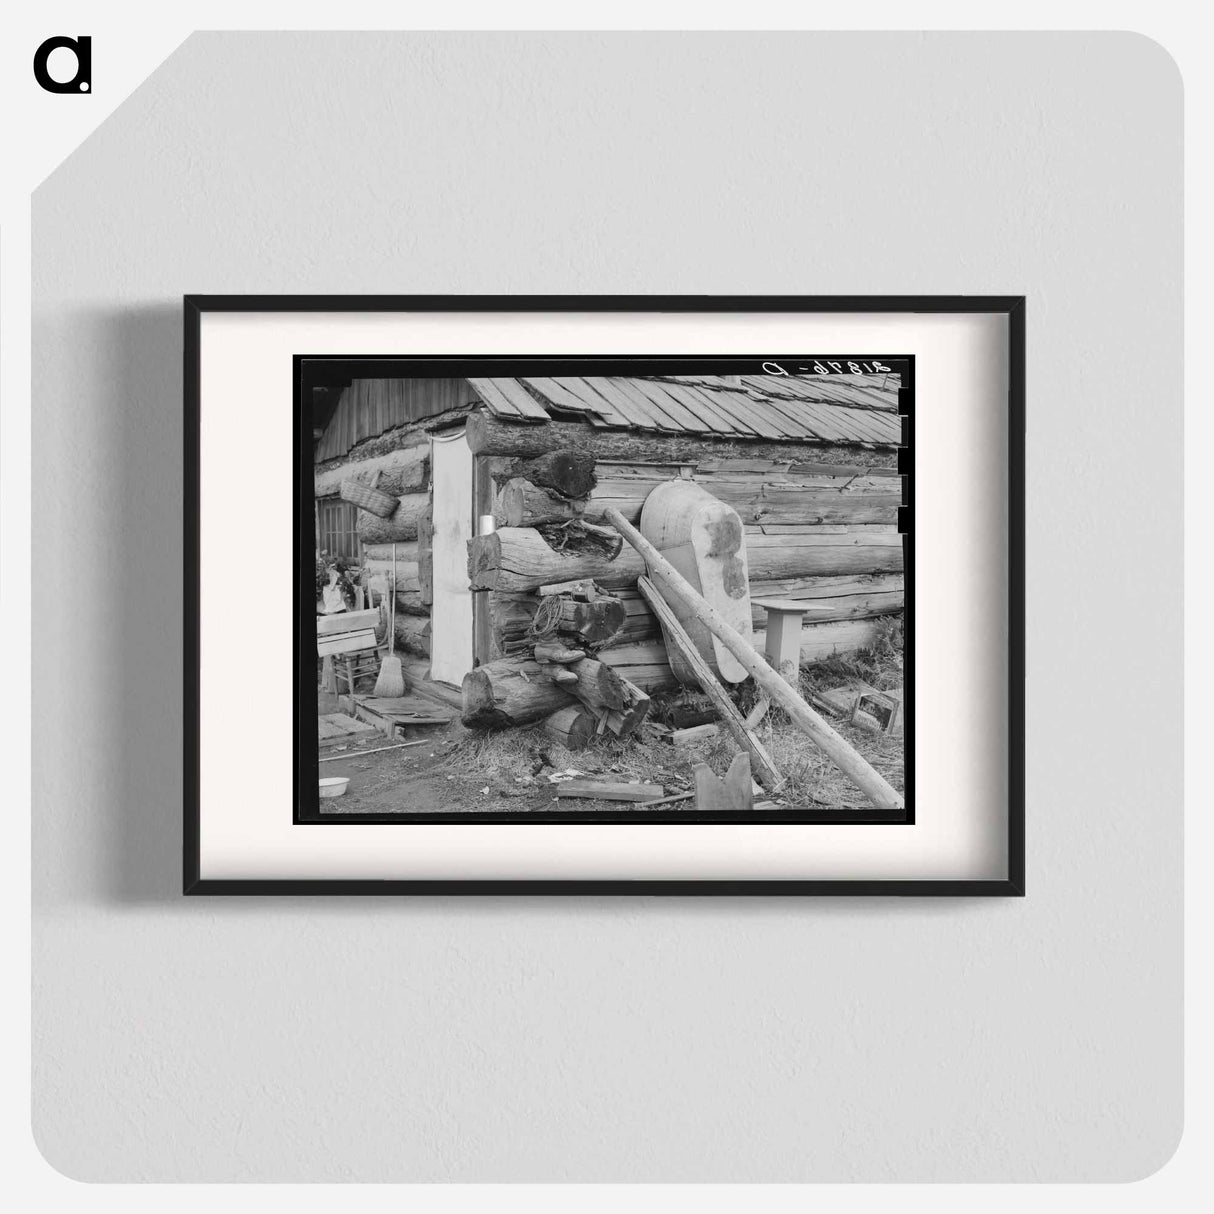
[484, 561]
[479, 710]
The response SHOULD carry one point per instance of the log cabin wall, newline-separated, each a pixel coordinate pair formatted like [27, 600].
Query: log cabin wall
[377, 446]
[822, 532]
[811, 469]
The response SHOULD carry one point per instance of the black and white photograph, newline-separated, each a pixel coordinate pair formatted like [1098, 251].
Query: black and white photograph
[542, 589]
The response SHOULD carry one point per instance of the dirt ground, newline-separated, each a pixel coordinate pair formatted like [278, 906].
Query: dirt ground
[457, 770]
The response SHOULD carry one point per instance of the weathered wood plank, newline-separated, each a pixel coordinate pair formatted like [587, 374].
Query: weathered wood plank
[603, 790]
[346, 621]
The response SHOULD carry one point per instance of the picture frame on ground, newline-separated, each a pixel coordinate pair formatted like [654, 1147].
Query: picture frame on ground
[605, 594]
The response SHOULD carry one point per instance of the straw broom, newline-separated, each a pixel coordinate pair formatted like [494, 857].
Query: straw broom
[390, 684]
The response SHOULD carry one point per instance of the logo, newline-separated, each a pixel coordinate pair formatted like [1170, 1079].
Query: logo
[82, 81]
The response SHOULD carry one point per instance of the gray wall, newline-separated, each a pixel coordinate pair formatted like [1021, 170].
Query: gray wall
[626, 1039]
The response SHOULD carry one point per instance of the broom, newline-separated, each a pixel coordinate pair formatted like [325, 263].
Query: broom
[390, 684]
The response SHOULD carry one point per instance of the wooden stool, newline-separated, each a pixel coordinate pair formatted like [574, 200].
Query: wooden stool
[783, 645]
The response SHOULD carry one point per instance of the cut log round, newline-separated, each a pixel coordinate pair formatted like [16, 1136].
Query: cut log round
[402, 525]
[626, 720]
[573, 727]
[510, 618]
[598, 686]
[523, 504]
[509, 692]
[596, 623]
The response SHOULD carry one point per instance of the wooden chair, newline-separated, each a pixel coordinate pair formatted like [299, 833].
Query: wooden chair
[347, 641]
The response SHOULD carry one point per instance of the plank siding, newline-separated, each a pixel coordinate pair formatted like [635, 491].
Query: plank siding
[369, 407]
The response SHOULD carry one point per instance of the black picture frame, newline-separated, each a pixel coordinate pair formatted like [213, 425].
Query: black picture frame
[1010, 307]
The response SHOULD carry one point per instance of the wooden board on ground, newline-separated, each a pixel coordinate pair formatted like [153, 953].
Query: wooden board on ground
[603, 790]
[338, 725]
[695, 733]
[407, 710]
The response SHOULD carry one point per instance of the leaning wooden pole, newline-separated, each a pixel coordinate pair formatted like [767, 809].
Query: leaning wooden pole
[766, 771]
[849, 761]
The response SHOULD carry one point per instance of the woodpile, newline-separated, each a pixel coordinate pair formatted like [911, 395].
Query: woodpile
[549, 621]
[554, 675]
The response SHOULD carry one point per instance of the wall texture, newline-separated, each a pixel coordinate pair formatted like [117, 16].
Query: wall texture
[501, 1039]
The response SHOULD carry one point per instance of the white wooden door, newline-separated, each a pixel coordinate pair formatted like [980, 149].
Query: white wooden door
[451, 611]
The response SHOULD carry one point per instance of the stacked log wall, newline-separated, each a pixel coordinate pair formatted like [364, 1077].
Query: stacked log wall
[818, 531]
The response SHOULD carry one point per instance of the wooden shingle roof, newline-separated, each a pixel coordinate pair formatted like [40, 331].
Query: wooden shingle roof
[859, 409]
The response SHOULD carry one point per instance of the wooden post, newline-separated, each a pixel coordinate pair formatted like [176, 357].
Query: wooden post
[870, 781]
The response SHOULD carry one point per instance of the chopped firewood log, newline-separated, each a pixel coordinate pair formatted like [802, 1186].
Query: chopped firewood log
[598, 686]
[508, 692]
[594, 622]
[604, 790]
[573, 727]
[626, 720]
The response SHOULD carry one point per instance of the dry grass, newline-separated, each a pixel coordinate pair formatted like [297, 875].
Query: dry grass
[515, 762]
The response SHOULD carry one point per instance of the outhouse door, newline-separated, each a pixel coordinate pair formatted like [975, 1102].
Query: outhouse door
[451, 611]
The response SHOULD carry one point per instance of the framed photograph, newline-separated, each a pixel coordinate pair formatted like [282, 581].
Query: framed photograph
[586, 594]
